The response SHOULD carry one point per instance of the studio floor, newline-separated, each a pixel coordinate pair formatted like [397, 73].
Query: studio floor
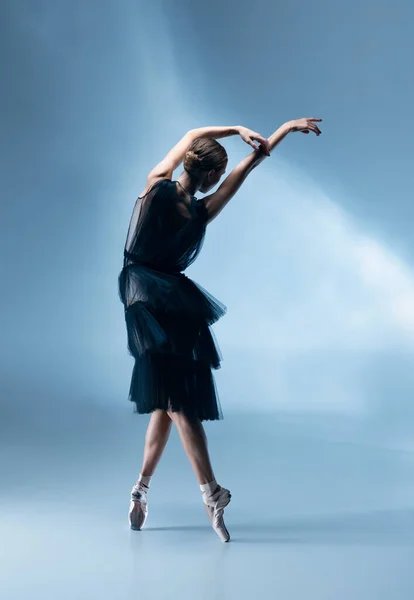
[312, 516]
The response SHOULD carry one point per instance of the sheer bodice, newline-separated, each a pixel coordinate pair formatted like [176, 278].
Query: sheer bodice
[166, 230]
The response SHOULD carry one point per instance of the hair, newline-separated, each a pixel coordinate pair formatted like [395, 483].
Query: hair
[205, 154]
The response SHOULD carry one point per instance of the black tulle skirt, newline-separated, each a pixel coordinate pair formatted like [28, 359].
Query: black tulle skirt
[168, 320]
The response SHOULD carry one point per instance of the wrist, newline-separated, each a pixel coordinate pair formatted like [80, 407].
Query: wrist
[288, 126]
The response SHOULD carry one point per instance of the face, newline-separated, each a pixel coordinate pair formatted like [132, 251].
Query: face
[212, 178]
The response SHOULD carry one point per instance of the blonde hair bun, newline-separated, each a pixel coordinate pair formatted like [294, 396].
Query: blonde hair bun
[193, 156]
[192, 162]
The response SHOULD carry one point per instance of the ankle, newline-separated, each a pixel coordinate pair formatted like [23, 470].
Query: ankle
[209, 488]
[145, 480]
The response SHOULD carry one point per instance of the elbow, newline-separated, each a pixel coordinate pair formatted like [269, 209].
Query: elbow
[193, 134]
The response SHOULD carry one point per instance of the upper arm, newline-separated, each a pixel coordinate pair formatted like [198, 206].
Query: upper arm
[165, 168]
[218, 200]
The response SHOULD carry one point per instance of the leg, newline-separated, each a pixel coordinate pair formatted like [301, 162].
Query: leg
[215, 497]
[194, 440]
[156, 437]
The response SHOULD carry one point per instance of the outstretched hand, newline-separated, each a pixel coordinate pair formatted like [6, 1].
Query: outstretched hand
[306, 125]
[249, 136]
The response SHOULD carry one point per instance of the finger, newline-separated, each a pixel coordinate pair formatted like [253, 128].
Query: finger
[305, 131]
[314, 119]
[314, 128]
[258, 138]
[264, 150]
[264, 146]
[265, 143]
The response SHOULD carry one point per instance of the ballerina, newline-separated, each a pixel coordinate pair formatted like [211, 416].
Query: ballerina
[168, 316]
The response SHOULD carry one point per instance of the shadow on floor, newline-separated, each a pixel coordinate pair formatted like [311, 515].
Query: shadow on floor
[385, 527]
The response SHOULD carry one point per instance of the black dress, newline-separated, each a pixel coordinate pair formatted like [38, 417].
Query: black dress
[167, 315]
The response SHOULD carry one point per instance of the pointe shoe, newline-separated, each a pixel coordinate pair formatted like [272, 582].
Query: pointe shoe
[215, 505]
[138, 508]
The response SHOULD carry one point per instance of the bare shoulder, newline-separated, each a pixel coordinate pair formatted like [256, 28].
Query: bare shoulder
[151, 181]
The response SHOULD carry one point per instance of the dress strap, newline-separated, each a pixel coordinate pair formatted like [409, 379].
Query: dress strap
[183, 188]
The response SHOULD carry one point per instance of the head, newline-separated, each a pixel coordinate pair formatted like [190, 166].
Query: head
[205, 162]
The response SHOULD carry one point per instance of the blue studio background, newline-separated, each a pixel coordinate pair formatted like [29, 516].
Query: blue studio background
[313, 258]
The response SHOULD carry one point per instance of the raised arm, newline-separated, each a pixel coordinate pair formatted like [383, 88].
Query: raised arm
[175, 156]
[218, 200]
[165, 169]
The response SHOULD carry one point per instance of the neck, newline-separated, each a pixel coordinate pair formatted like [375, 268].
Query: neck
[190, 185]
